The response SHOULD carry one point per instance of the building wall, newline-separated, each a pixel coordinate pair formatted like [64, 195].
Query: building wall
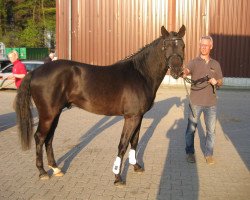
[230, 28]
[62, 29]
[104, 31]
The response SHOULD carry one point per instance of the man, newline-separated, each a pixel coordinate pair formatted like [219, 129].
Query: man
[18, 70]
[50, 58]
[203, 98]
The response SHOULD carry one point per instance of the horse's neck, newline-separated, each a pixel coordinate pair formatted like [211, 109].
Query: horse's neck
[153, 68]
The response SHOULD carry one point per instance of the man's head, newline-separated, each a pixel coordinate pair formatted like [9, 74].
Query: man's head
[52, 55]
[206, 45]
[13, 56]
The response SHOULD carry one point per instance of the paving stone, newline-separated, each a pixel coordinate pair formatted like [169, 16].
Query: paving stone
[85, 147]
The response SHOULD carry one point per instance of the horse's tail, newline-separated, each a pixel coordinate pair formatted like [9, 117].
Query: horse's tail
[23, 111]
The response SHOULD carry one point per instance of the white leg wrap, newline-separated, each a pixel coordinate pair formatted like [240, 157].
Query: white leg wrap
[56, 170]
[131, 156]
[117, 165]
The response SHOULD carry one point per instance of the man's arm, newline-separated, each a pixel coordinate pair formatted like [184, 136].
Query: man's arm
[20, 72]
[12, 76]
[19, 75]
[218, 82]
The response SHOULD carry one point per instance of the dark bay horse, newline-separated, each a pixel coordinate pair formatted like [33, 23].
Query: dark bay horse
[127, 88]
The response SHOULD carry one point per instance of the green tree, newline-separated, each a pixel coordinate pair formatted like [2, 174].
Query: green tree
[31, 35]
[6, 19]
[28, 23]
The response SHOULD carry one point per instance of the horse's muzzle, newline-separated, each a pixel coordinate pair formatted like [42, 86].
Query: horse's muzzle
[175, 63]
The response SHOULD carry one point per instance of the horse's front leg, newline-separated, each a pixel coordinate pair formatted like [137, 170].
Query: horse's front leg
[132, 152]
[130, 126]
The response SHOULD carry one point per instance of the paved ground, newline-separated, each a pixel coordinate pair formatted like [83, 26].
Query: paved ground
[86, 145]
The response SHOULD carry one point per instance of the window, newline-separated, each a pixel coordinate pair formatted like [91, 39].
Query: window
[8, 69]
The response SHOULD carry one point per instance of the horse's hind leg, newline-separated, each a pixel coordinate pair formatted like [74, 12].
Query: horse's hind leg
[131, 124]
[40, 137]
[134, 143]
[49, 149]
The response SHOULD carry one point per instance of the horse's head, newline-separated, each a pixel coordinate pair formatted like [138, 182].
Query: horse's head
[173, 46]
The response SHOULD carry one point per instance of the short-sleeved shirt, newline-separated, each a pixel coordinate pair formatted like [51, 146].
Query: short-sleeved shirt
[18, 68]
[203, 94]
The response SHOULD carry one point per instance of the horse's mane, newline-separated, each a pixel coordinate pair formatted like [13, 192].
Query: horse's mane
[140, 57]
[142, 51]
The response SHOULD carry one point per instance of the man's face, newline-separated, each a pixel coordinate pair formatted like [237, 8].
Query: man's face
[205, 47]
[51, 55]
[12, 57]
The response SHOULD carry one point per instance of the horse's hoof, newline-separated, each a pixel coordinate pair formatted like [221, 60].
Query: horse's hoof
[138, 168]
[44, 176]
[119, 183]
[57, 171]
[59, 174]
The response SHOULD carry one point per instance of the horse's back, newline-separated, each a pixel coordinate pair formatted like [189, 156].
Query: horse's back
[50, 75]
[109, 90]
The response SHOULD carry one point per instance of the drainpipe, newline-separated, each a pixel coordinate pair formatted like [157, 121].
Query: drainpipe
[70, 31]
[207, 17]
[171, 15]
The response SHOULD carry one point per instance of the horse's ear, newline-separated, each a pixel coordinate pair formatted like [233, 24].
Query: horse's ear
[164, 32]
[182, 31]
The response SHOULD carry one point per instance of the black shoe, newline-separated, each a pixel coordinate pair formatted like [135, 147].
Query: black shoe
[190, 158]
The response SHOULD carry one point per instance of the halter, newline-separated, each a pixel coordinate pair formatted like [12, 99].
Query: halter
[172, 55]
[169, 39]
[165, 46]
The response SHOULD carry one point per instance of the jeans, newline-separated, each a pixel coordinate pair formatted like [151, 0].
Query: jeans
[210, 122]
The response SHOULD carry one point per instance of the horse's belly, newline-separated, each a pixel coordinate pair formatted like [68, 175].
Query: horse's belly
[101, 108]
[115, 101]
[115, 108]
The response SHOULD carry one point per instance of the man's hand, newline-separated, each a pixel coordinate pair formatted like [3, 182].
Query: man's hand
[11, 77]
[218, 82]
[185, 72]
[212, 81]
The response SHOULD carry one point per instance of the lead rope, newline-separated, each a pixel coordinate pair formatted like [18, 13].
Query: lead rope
[188, 97]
